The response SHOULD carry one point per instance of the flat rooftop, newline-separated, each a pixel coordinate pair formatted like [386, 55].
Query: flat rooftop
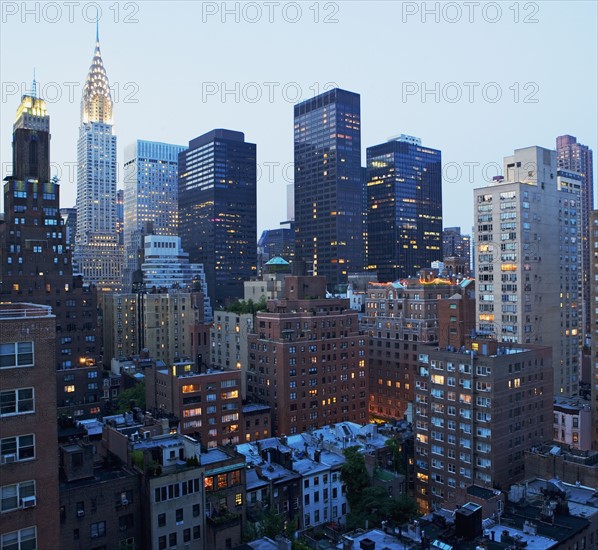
[23, 310]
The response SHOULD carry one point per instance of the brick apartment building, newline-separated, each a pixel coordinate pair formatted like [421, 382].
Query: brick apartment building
[478, 409]
[100, 504]
[307, 359]
[28, 431]
[399, 319]
[208, 403]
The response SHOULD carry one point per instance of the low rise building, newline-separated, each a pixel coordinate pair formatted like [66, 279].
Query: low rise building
[573, 422]
[99, 505]
[208, 403]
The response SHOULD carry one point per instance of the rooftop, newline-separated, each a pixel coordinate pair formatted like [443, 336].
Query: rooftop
[24, 310]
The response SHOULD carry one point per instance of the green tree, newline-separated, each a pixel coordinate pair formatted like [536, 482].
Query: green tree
[270, 524]
[354, 475]
[249, 306]
[397, 455]
[136, 393]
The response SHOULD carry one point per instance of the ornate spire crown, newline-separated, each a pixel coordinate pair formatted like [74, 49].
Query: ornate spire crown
[96, 103]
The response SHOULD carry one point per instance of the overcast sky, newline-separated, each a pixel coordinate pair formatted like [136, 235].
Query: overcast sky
[475, 80]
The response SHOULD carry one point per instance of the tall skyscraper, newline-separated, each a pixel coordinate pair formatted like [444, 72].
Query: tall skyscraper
[35, 260]
[578, 158]
[217, 210]
[527, 260]
[404, 212]
[594, 316]
[328, 185]
[97, 255]
[150, 198]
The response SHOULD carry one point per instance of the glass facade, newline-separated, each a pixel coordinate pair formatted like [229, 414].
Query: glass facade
[404, 221]
[328, 184]
[217, 210]
[150, 198]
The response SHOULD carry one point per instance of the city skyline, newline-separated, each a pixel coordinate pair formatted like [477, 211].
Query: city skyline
[459, 129]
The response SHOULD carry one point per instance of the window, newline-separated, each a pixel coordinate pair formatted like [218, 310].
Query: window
[187, 535]
[172, 539]
[69, 389]
[24, 539]
[21, 447]
[161, 520]
[17, 354]
[18, 401]
[21, 495]
[239, 499]
[195, 510]
[162, 543]
[98, 529]
[179, 516]
[196, 531]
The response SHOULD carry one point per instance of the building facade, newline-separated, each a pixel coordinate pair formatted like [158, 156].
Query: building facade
[594, 332]
[98, 254]
[328, 185]
[307, 359]
[217, 210]
[276, 242]
[575, 157]
[228, 343]
[456, 245]
[478, 410]
[400, 318]
[28, 430]
[527, 279]
[150, 198]
[404, 207]
[35, 260]
[166, 265]
[100, 504]
[208, 402]
[170, 324]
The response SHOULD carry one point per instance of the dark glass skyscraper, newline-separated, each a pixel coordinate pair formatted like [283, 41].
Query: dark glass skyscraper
[328, 184]
[217, 210]
[404, 182]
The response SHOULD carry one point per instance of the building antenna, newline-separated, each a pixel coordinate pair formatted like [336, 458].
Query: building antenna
[34, 85]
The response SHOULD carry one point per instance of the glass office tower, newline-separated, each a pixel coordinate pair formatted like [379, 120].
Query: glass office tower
[404, 183]
[217, 210]
[328, 185]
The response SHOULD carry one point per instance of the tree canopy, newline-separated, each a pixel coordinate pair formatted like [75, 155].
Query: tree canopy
[249, 306]
[136, 393]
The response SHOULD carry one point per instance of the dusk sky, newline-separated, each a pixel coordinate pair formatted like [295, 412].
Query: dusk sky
[525, 73]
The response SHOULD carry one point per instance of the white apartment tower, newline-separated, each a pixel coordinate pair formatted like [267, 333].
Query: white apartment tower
[527, 260]
[97, 255]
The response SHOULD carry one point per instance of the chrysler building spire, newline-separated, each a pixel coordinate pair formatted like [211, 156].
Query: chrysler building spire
[96, 103]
